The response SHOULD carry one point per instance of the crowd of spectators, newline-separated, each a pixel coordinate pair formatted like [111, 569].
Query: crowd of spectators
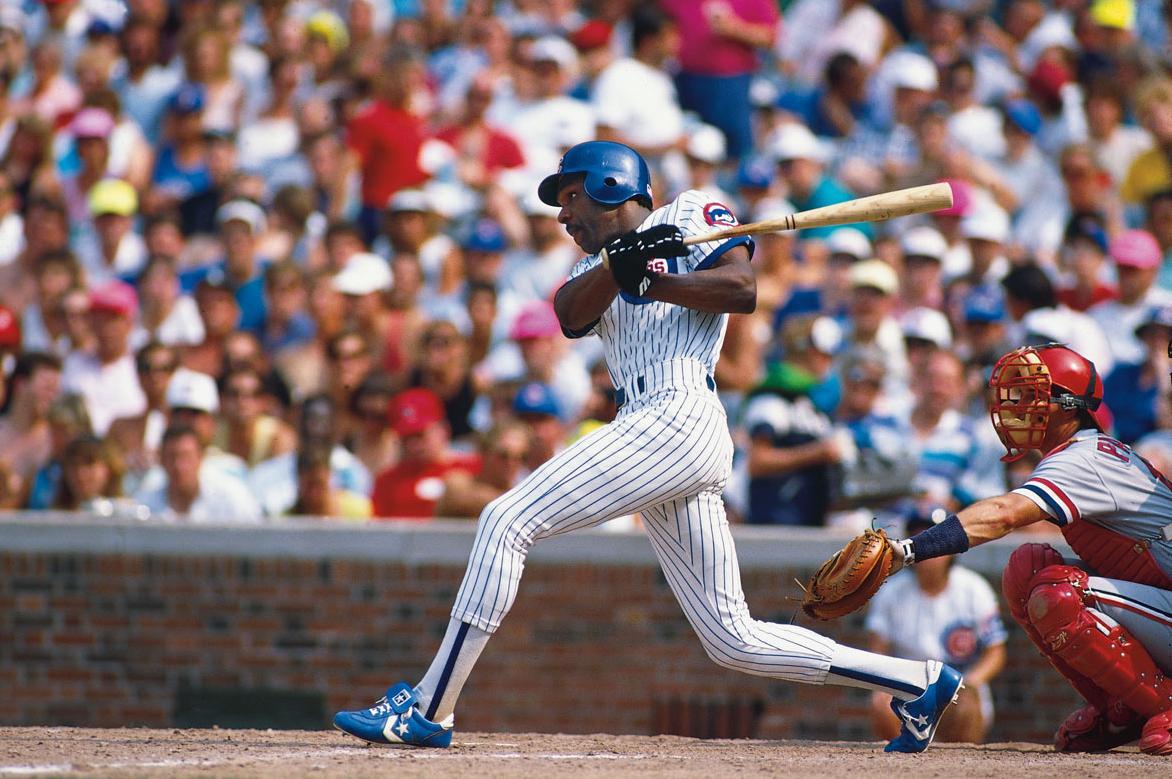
[286, 256]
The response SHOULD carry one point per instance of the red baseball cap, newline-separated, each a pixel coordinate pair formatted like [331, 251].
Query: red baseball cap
[9, 328]
[594, 34]
[413, 411]
[114, 297]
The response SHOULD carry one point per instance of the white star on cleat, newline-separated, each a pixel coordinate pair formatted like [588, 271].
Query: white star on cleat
[402, 727]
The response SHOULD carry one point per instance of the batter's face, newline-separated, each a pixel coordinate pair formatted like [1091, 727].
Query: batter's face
[589, 223]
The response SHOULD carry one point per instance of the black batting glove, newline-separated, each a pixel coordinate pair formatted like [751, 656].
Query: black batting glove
[628, 255]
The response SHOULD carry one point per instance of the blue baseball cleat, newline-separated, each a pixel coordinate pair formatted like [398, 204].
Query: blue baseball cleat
[918, 718]
[395, 720]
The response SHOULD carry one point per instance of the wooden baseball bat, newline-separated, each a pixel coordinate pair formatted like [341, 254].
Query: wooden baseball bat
[874, 208]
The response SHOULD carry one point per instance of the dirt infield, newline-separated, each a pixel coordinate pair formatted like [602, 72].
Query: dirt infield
[251, 753]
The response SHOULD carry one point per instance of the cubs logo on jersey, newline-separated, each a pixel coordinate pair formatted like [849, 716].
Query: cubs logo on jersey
[719, 215]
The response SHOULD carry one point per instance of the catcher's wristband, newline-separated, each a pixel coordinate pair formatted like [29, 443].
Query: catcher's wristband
[947, 538]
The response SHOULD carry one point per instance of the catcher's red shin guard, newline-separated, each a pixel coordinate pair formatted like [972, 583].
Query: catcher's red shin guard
[1016, 583]
[1106, 654]
[1092, 730]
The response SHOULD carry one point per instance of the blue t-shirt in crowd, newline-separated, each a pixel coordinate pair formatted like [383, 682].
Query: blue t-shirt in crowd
[179, 181]
[250, 295]
[1132, 406]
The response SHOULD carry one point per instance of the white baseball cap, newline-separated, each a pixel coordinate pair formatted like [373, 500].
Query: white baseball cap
[773, 208]
[554, 48]
[876, 274]
[849, 240]
[988, 223]
[190, 389]
[914, 71]
[363, 274]
[533, 205]
[924, 242]
[707, 144]
[826, 335]
[795, 142]
[241, 210]
[927, 324]
[410, 200]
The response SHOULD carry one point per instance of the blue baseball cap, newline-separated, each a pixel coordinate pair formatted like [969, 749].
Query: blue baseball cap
[1024, 115]
[188, 99]
[984, 304]
[485, 236]
[536, 398]
[755, 172]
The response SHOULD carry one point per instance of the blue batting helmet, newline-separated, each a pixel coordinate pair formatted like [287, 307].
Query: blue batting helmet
[614, 173]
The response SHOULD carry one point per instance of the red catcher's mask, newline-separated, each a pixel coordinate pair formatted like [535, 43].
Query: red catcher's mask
[1027, 381]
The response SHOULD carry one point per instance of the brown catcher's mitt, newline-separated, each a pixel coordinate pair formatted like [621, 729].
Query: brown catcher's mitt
[848, 579]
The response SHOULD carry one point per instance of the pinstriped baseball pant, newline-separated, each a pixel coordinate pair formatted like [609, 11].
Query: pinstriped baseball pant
[667, 455]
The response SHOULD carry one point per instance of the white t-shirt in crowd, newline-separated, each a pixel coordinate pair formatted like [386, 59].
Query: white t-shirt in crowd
[222, 499]
[110, 390]
[640, 102]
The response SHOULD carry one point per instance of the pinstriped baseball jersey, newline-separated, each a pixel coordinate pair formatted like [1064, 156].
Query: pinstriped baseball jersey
[1094, 478]
[640, 332]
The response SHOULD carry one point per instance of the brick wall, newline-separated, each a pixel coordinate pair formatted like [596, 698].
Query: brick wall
[146, 638]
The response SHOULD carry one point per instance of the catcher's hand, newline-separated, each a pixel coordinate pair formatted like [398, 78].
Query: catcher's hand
[628, 255]
[848, 579]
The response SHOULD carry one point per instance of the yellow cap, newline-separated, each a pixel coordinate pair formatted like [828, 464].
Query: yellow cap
[1117, 14]
[330, 26]
[113, 196]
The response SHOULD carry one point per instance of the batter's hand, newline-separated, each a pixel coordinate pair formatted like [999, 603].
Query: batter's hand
[627, 256]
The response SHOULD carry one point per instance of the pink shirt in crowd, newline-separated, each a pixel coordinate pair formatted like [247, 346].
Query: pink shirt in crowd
[704, 53]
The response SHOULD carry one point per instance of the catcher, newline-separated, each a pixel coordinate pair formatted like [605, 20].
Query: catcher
[1105, 624]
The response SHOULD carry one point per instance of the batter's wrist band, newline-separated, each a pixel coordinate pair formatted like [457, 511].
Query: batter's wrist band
[947, 538]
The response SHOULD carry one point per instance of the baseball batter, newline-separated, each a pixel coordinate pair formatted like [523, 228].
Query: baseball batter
[660, 309]
[1108, 632]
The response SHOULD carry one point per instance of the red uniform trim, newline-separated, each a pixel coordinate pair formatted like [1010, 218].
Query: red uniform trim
[1073, 509]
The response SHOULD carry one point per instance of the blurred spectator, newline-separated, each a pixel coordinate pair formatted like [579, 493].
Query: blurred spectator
[718, 54]
[536, 270]
[138, 436]
[412, 488]
[925, 331]
[1137, 392]
[316, 497]
[1137, 259]
[68, 419]
[1037, 318]
[181, 168]
[192, 492]
[274, 482]
[373, 442]
[91, 469]
[165, 314]
[874, 285]
[1116, 144]
[107, 379]
[1159, 222]
[537, 406]
[483, 150]
[705, 152]
[349, 363]
[801, 159]
[43, 324]
[241, 222]
[940, 611]
[957, 467]
[386, 137]
[199, 210]
[25, 439]
[52, 95]
[364, 283]
[206, 55]
[545, 357]
[304, 366]
[886, 458]
[923, 264]
[794, 450]
[28, 160]
[1150, 172]
[411, 226]
[287, 323]
[503, 452]
[115, 249]
[220, 313]
[443, 368]
[634, 100]
[141, 81]
[245, 428]
[91, 130]
[273, 136]
[552, 121]
[1084, 248]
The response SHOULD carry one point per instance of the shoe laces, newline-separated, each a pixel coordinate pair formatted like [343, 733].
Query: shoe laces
[381, 706]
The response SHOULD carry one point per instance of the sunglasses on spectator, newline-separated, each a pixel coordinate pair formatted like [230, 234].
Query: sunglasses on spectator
[241, 392]
[350, 354]
[157, 367]
[508, 454]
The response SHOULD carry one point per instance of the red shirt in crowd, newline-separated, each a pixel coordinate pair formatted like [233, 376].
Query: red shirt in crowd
[1071, 298]
[500, 150]
[387, 141]
[411, 490]
[703, 52]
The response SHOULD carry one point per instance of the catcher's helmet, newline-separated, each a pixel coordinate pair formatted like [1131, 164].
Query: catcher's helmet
[614, 173]
[1026, 381]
